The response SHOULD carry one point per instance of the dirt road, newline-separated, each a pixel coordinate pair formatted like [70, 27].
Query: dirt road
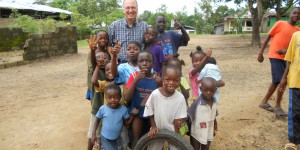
[42, 104]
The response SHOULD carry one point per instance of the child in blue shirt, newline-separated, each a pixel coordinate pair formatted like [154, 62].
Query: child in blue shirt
[140, 85]
[114, 115]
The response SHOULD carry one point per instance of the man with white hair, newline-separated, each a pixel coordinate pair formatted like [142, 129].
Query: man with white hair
[127, 29]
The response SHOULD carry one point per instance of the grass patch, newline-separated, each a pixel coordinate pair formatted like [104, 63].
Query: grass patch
[82, 43]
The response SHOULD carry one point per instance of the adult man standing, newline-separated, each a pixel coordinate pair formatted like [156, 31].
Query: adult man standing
[170, 41]
[127, 29]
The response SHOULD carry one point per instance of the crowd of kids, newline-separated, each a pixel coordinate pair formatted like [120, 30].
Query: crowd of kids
[148, 93]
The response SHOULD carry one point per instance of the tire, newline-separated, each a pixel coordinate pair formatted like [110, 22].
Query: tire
[164, 135]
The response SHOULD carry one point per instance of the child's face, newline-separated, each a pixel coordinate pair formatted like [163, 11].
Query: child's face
[113, 97]
[176, 64]
[102, 39]
[101, 56]
[171, 80]
[196, 60]
[132, 51]
[161, 23]
[145, 62]
[208, 90]
[295, 15]
[108, 73]
[150, 35]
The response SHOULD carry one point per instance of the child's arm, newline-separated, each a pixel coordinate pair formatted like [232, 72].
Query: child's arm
[220, 83]
[283, 81]
[260, 57]
[185, 35]
[132, 85]
[202, 63]
[133, 113]
[93, 139]
[185, 92]
[154, 129]
[93, 46]
[177, 124]
[114, 53]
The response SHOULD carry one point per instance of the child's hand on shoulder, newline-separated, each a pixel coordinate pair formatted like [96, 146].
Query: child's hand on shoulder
[152, 132]
[93, 42]
[135, 111]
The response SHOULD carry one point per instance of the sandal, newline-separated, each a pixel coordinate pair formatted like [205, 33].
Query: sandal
[290, 146]
[279, 113]
[267, 107]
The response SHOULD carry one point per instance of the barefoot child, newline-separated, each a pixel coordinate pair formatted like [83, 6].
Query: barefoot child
[292, 77]
[198, 60]
[202, 113]
[101, 40]
[156, 50]
[140, 85]
[113, 115]
[166, 106]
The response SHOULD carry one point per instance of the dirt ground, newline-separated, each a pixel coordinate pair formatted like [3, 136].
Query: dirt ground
[43, 106]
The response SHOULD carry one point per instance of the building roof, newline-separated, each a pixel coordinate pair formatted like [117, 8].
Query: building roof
[34, 7]
[247, 15]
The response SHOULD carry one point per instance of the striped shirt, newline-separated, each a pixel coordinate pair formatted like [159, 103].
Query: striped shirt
[119, 30]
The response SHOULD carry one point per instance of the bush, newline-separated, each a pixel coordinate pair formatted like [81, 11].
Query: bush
[31, 25]
[83, 32]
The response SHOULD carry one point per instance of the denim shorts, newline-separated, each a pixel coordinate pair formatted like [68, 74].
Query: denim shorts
[277, 69]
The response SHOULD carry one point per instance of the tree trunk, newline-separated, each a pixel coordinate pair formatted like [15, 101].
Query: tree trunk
[278, 14]
[255, 31]
[257, 17]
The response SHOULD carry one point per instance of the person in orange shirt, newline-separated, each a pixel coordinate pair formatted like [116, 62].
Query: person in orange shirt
[280, 36]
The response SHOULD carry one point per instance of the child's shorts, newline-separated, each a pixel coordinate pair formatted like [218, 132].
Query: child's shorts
[89, 94]
[277, 69]
[92, 122]
[294, 116]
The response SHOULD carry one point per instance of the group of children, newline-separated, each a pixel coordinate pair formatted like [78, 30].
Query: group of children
[149, 93]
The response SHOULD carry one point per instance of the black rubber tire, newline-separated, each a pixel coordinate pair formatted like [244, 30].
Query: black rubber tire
[172, 137]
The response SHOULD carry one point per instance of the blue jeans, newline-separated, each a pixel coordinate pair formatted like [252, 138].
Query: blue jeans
[111, 144]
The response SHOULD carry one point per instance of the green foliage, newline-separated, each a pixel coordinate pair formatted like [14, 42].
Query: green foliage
[31, 25]
[83, 32]
[145, 16]
[62, 4]
[82, 43]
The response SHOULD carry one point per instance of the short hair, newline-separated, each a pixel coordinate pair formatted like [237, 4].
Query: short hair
[154, 29]
[134, 0]
[170, 67]
[148, 52]
[102, 31]
[105, 53]
[176, 58]
[291, 10]
[160, 15]
[208, 79]
[211, 60]
[114, 87]
[138, 44]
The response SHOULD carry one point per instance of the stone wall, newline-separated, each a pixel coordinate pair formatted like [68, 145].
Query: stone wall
[12, 39]
[63, 41]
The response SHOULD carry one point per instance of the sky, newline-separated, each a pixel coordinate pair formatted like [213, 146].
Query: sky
[152, 5]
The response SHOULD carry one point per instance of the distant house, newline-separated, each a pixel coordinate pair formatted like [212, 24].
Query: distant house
[189, 29]
[219, 29]
[245, 19]
[33, 10]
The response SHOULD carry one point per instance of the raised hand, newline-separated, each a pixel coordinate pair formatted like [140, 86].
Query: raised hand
[209, 52]
[93, 42]
[100, 59]
[177, 25]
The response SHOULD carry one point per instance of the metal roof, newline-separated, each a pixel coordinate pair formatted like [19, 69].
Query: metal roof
[35, 7]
